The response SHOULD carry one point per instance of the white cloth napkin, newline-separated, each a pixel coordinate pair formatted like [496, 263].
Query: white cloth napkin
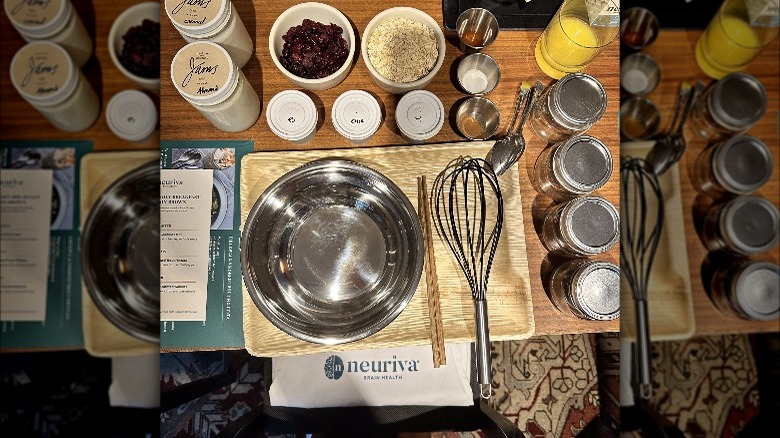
[135, 381]
[386, 377]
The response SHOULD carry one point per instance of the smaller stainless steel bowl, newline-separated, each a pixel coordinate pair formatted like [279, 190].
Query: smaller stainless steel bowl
[478, 74]
[477, 118]
[120, 252]
[639, 74]
[332, 252]
[639, 118]
[638, 28]
[477, 28]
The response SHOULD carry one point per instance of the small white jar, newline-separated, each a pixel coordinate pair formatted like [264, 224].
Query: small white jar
[356, 116]
[131, 115]
[206, 76]
[419, 116]
[212, 20]
[292, 115]
[45, 76]
[51, 20]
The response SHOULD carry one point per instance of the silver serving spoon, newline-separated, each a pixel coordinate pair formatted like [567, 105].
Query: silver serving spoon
[506, 151]
[669, 148]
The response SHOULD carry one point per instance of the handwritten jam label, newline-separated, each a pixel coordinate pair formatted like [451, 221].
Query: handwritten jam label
[40, 70]
[193, 13]
[201, 70]
[32, 13]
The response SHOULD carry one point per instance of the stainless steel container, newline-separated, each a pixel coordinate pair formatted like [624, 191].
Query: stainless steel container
[577, 166]
[748, 288]
[745, 225]
[639, 118]
[729, 106]
[478, 74]
[639, 74]
[589, 289]
[638, 28]
[584, 226]
[477, 28]
[477, 118]
[737, 166]
[568, 107]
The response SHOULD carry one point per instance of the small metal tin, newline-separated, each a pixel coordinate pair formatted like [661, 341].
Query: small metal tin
[477, 28]
[638, 28]
[569, 107]
[589, 289]
[729, 106]
[478, 74]
[639, 74]
[577, 166]
[584, 226]
[737, 166]
[750, 289]
[477, 118]
[639, 118]
[745, 225]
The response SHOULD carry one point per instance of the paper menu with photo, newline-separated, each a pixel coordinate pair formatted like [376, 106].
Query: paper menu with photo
[25, 206]
[185, 221]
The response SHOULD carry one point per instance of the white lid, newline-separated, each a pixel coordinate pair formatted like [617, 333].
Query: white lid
[43, 73]
[38, 19]
[198, 18]
[204, 73]
[419, 115]
[292, 115]
[356, 115]
[131, 115]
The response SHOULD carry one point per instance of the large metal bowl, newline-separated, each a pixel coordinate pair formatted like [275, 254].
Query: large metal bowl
[120, 252]
[332, 252]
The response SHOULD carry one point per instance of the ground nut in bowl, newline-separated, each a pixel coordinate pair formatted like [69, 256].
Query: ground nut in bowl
[308, 40]
[403, 49]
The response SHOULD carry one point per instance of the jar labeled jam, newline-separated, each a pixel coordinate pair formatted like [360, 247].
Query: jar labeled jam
[745, 225]
[737, 166]
[589, 289]
[568, 107]
[729, 106]
[577, 166]
[748, 288]
[584, 226]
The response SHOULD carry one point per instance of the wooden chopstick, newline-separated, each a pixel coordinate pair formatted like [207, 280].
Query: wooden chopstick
[431, 279]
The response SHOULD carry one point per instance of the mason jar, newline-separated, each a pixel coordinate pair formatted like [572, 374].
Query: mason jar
[737, 166]
[584, 226]
[745, 225]
[729, 106]
[589, 289]
[569, 107]
[747, 288]
[574, 167]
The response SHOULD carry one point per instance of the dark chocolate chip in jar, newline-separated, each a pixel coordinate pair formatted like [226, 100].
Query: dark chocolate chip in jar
[737, 166]
[745, 225]
[584, 226]
[577, 166]
[748, 288]
[590, 289]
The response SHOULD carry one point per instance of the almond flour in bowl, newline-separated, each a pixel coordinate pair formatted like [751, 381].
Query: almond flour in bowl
[402, 50]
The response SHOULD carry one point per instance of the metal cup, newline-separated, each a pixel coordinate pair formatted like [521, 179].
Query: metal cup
[478, 74]
[477, 118]
[639, 74]
[638, 28]
[477, 28]
[639, 118]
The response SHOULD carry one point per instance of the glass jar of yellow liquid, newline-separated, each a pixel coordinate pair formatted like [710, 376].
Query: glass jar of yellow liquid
[575, 35]
[736, 35]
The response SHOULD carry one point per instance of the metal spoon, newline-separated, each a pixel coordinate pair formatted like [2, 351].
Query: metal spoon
[187, 159]
[669, 148]
[506, 151]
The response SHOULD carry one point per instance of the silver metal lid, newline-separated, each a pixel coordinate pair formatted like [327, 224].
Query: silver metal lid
[737, 101]
[742, 164]
[756, 291]
[596, 291]
[578, 101]
[590, 224]
[749, 224]
[582, 164]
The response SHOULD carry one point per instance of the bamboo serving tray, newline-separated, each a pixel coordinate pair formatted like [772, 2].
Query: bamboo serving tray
[509, 294]
[98, 171]
[669, 298]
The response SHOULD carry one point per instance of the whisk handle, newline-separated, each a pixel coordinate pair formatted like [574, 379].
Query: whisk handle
[643, 350]
[482, 350]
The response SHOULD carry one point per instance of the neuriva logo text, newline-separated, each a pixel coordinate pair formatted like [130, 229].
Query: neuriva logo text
[378, 369]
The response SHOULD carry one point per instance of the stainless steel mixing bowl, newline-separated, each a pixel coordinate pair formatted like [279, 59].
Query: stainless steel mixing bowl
[120, 252]
[332, 252]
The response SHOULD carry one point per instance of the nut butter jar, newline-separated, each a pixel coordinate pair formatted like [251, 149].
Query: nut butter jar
[574, 167]
[590, 289]
[748, 288]
[746, 225]
[569, 107]
[584, 226]
[737, 166]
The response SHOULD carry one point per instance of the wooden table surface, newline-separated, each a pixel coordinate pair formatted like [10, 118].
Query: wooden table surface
[674, 51]
[20, 121]
[514, 52]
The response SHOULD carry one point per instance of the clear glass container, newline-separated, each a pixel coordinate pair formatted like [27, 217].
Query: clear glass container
[569, 107]
[737, 166]
[584, 226]
[729, 106]
[574, 167]
[747, 288]
[745, 225]
[589, 289]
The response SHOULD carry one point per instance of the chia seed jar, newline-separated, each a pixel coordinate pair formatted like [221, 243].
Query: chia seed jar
[574, 167]
[584, 226]
[589, 289]
[737, 166]
[746, 225]
[749, 289]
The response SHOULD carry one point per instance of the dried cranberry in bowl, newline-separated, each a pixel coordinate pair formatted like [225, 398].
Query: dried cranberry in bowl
[313, 50]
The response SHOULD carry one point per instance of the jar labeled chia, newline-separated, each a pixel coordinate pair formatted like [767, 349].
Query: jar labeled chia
[45, 76]
[577, 166]
[206, 77]
[569, 107]
[589, 289]
[584, 226]
[729, 106]
[216, 21]
[747, 288]
[737, 166]
[746, 225]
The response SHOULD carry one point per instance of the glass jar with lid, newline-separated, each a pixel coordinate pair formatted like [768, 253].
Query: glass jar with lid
[206, 77]
[577, 166]
[569, 107]
[590, 289]
[748, 288]
[729, 106]
[216, 21]
[745, 225]
[584, 226]
[737, 166]
[51, 20]
[45, 76]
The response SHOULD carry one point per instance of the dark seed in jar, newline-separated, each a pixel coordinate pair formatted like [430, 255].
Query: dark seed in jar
[141, 50]
[313, 50]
